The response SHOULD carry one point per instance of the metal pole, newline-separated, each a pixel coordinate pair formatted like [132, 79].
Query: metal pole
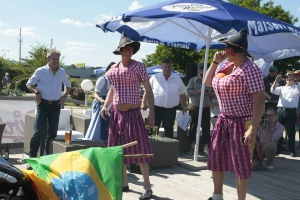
[199, 130]
[20, 41]
[85, 100]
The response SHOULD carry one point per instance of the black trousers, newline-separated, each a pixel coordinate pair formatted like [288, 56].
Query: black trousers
[167, 117]
[287, 117]
[205, 124]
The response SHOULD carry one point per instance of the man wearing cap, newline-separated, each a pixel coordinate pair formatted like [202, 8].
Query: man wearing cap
[287, 108]
[239, 87]
[271, 99]
[6, 80]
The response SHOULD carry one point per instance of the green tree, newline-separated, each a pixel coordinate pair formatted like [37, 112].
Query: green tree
[179, 57]
[276, 12]
[37, 56]
[268, 8]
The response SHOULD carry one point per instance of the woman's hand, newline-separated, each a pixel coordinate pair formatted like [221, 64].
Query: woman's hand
[103, 112]
[220, 56]
[250, 136]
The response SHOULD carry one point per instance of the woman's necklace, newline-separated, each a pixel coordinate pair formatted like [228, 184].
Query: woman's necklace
[234, 67]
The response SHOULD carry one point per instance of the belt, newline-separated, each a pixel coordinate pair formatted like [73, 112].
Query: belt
[50, 102]
[281, 108]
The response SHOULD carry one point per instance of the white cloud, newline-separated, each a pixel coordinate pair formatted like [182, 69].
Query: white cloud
[25, 31]
[1, 23]
[135, 5]
[78, 48]
[299, 8]
[75, 23]
[102, 17]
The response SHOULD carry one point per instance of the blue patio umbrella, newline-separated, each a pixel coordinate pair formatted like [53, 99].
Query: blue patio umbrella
[192, 24]
[157, 69]
[100, 70]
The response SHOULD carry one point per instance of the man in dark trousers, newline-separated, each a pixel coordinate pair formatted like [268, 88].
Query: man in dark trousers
[194, 92]
[48, 99]
[168, 90]
[287, 108]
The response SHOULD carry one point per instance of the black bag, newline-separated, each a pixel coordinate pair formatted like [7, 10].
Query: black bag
[134, 168]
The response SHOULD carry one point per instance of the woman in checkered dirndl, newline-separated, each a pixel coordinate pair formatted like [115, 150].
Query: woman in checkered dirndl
[239, 87]
[126, 122]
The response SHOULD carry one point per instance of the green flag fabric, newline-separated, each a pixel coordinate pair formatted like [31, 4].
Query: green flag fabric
[93, 173]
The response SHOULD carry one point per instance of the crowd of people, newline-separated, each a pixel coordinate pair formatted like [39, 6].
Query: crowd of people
[242, 106]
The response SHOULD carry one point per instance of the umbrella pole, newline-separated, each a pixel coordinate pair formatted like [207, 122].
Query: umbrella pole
[199, 129]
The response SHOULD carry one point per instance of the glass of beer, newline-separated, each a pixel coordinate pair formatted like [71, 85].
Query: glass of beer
[68, 130]
[155, 131]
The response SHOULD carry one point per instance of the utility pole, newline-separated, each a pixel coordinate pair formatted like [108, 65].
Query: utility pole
[20, 41]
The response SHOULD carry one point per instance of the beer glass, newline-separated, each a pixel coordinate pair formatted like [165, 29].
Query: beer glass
[68, 130]
[155, 131]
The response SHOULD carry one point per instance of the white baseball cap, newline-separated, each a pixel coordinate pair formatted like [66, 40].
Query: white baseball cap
[6, 74]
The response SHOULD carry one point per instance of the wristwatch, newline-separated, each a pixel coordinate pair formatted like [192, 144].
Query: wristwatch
[65, 95]
[38, 92]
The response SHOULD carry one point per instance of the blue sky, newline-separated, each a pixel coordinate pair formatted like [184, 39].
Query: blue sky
[71, 25]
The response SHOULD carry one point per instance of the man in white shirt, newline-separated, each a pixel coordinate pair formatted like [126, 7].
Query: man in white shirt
[168, 90]
[287, 107]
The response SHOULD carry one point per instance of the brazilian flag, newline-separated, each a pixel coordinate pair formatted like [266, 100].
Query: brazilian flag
[93, 173]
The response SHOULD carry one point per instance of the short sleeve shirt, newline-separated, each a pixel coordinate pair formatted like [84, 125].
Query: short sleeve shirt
[126, 82]
[234, 92]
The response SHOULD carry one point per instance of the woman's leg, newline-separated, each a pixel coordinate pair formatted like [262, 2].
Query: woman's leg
[241, 185]
[145, 172]
[218, 178]
[125, 182]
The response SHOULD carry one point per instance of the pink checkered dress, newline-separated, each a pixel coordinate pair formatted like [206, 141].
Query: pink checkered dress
[234, 93]
[128, 126]
[126, 82]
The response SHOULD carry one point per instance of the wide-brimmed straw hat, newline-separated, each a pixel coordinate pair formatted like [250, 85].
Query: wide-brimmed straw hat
[125, 41]
[238, 42]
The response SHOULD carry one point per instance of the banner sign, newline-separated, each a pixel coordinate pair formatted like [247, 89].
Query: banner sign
[12, 112]
[80, 65]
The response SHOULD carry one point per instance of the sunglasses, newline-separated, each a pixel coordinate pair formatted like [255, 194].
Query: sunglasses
[272, 70]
